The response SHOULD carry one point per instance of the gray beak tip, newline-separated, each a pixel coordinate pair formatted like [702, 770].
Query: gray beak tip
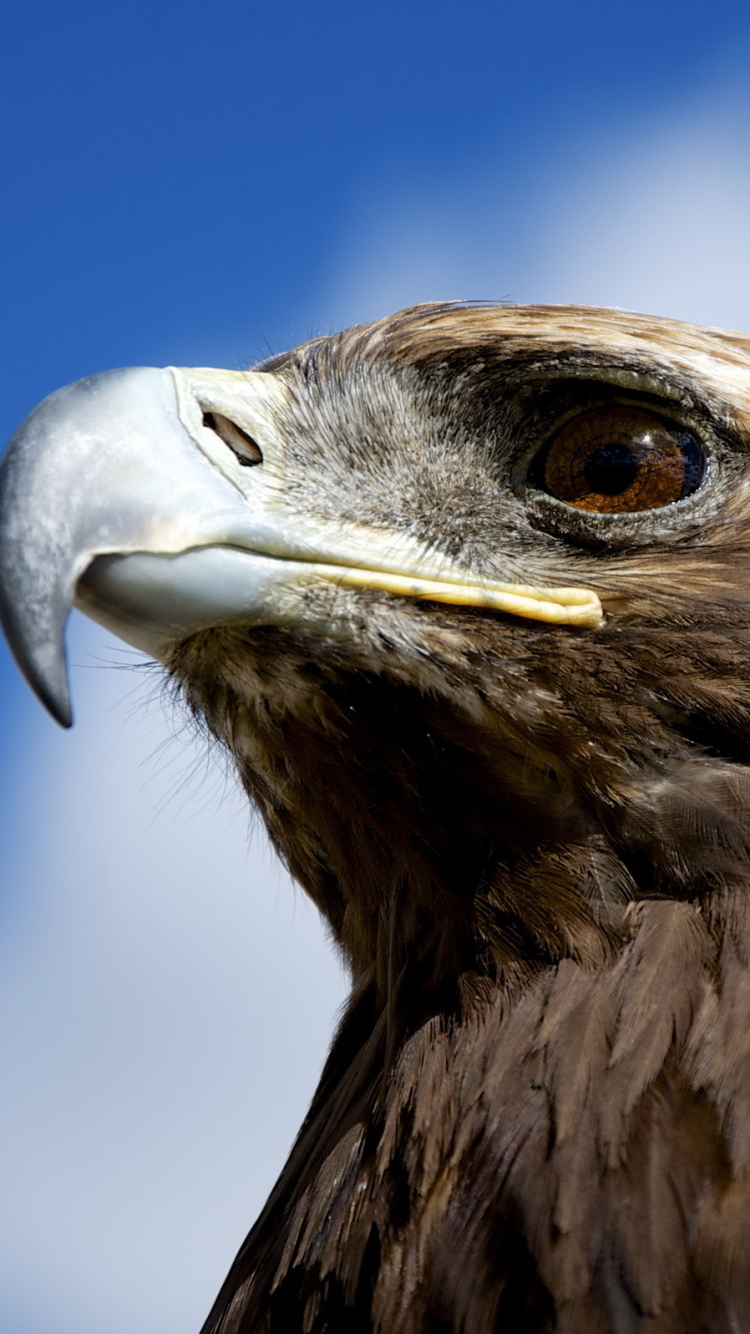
[43, 665]
[58, 704]
[45, 525]
[61, 714]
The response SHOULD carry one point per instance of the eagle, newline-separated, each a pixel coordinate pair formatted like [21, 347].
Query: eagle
[464, 594]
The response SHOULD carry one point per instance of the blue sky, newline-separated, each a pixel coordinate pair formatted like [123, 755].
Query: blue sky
[199, 185]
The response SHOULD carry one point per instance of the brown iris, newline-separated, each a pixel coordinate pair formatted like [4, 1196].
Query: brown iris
[620, 459]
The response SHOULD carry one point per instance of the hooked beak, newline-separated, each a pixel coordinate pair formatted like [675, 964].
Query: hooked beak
[118, 496]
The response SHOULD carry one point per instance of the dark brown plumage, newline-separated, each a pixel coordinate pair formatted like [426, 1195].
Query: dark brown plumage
[531, 841]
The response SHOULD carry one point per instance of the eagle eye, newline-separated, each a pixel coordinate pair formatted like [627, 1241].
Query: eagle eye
[242, 445]
[620, 459]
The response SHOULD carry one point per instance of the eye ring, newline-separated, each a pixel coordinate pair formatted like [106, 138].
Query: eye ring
[620, 459]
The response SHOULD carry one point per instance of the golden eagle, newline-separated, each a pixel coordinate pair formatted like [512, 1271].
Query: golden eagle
[464, 594]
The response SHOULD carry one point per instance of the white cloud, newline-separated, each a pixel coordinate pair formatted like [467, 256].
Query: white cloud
[655, 219]
[663, 227]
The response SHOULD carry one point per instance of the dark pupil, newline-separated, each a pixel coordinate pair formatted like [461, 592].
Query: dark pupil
[610, 470]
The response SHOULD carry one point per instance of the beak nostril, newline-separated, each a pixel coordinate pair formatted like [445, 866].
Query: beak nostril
[242, 445]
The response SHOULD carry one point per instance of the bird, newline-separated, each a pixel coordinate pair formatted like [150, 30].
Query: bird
[463, 594]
